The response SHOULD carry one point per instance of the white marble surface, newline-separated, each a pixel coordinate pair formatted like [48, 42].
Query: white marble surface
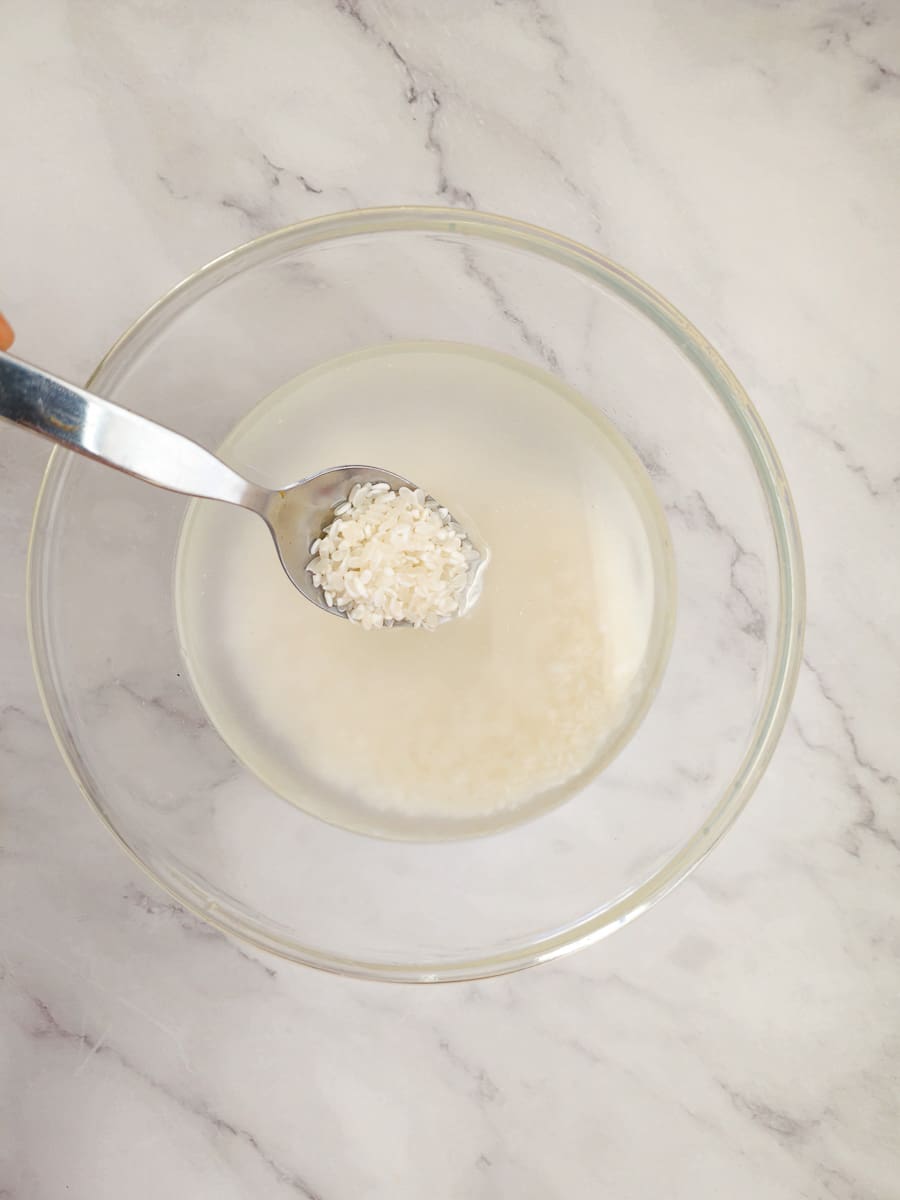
[743, 1040]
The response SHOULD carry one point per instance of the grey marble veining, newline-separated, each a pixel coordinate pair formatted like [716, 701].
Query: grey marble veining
[742, 1039]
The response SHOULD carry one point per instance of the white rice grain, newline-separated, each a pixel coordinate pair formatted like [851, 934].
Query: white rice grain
[393, 556]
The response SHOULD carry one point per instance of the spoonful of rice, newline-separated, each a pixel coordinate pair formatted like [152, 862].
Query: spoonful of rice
[360, 542]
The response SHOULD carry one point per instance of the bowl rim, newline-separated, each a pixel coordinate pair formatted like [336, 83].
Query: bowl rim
[787, 647]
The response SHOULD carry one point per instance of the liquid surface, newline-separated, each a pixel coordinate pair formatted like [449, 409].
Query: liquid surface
[494, 716]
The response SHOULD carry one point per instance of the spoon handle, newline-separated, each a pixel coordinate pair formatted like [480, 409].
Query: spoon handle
[118, 437]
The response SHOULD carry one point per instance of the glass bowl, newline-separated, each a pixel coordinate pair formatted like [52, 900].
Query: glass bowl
[138, 741]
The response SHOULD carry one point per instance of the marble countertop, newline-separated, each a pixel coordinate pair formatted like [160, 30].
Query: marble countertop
[741, 1040]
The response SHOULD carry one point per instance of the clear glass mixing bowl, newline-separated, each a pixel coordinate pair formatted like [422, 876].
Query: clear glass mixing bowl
[209, 831]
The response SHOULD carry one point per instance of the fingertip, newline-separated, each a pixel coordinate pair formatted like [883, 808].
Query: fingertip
[7, 337]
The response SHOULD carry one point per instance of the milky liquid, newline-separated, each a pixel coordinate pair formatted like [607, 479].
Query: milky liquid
[492, 717]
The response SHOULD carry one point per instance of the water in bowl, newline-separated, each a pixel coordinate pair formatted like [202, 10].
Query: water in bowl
[493, 717]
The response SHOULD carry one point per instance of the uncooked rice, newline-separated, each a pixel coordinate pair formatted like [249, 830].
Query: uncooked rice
[393, 556]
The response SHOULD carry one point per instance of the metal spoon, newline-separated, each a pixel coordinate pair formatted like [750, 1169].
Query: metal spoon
[99, 429]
